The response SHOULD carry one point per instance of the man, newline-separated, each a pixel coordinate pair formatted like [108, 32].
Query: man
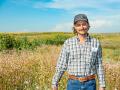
[81, 56]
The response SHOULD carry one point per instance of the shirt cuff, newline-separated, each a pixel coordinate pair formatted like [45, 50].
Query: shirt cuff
[53, 85]
[102, 85]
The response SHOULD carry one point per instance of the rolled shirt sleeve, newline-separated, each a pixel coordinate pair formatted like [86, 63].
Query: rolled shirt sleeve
[99, 67]
[61, 65]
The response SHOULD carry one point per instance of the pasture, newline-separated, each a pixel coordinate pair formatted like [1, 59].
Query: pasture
[28, 60]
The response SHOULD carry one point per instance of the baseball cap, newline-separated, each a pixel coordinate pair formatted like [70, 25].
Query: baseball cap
[81, 17]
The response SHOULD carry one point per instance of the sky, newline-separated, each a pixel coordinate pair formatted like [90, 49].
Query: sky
[58, 15]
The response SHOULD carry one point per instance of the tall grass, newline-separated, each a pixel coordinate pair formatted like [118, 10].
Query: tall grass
[33, 70]
[25, 70]
[112, 71]
[33, 66]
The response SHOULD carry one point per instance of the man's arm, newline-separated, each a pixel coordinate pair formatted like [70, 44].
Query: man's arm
[61, 66]
[100, 69]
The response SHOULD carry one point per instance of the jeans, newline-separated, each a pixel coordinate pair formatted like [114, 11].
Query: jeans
[77, 85]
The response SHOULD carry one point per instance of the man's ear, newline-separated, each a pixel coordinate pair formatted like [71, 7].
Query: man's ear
[73, 27]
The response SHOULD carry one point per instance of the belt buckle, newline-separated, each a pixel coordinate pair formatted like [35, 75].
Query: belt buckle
[82, 79]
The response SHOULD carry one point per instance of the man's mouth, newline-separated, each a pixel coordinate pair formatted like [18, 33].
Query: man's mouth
[82, 30]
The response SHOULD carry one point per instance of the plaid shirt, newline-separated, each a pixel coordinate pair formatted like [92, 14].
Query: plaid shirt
[80, 59]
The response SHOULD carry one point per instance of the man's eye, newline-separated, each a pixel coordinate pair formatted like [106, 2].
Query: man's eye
[84, 24]
[78, 25]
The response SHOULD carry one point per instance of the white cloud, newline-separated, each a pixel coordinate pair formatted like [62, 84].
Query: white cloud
[66, 4]
[63, 27]
[105, 24]
[73, 4]
[98, 24]
[25, 30]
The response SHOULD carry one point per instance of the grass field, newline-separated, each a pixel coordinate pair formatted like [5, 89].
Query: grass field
[34, 69]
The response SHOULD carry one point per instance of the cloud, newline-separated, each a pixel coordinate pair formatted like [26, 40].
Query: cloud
[105, 24]
[63, 27]
[104, 14]
[65, 4]
[77, 4]
[110, 6]
[98, 24]
[24, 30]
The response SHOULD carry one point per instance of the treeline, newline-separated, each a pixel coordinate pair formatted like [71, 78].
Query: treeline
[21, 41]
[8, 41]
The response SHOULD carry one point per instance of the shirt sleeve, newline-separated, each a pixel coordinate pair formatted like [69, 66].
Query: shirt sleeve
[61, 65]
[99, 67]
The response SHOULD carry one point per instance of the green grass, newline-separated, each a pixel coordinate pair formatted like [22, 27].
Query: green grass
[21, 41]
[33, 69]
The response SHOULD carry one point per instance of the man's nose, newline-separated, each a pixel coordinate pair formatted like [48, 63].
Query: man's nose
[81, 26]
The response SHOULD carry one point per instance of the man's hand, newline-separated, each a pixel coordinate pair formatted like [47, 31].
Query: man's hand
[101, 88]
[55, 88]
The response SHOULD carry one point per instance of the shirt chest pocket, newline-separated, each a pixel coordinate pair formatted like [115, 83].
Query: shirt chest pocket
[91, 56]
[94, 52]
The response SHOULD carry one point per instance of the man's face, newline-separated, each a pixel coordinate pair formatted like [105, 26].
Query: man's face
[81, 27]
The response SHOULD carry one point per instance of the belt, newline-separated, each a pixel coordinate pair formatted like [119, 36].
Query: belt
[82, 79]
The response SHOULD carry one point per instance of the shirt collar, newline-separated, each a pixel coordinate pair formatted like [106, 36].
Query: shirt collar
[87, 38]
